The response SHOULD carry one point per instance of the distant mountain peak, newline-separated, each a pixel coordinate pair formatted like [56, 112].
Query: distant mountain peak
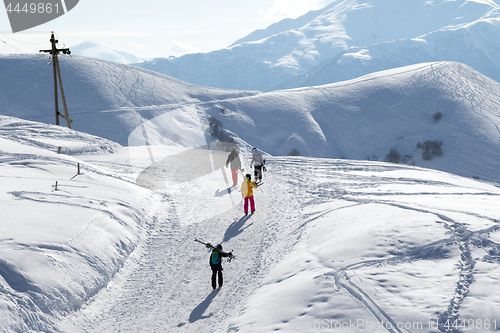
[104, 52]
[347, 39]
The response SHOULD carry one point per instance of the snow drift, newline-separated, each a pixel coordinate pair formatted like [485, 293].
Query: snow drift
[64, 234]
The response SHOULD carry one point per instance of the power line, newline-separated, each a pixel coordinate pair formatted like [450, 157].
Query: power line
[17, 41]
[13, 47]
[20, 41]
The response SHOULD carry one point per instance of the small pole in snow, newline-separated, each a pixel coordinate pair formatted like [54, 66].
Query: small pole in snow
[59, 150]
[78, 168]
[56, 186]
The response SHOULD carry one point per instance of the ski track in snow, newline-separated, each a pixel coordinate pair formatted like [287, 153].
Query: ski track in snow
[460, 237]
[169, 267]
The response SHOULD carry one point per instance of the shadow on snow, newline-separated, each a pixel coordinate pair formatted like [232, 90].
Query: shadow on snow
[198, 311]
[236, 228]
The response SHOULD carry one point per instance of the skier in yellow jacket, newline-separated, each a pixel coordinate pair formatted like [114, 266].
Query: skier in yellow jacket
[247, 192]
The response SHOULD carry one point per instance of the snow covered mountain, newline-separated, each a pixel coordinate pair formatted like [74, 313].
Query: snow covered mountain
[437, 115]
[103, 52]
[348, 246]
[348, 39]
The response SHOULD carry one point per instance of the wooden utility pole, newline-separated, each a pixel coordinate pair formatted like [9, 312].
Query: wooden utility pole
[57, 75]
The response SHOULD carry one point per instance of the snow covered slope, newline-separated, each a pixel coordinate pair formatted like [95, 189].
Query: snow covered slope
[104, 98]
[347, 39]
[443, 116]
[359, 119]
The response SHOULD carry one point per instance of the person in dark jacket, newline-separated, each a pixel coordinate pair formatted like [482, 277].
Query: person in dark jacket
[216, 264]
[234, 160]
[258, 163]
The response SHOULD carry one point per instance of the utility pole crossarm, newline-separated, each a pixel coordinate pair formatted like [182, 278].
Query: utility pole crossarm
[64, 51]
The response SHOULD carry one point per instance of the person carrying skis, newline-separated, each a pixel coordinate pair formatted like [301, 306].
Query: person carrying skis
[216, 263]
[234, 160]
[247, 192]
[258, 162]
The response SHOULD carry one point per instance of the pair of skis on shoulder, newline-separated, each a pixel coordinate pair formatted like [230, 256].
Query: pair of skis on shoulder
[211, 247]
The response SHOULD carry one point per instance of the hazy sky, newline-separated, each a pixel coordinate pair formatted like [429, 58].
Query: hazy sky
[152, 28]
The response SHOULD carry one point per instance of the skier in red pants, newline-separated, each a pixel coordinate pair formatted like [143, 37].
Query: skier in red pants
[235, 161]
[247, 192]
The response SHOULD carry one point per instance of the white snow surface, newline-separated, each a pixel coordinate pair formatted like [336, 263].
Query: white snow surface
[334, 245]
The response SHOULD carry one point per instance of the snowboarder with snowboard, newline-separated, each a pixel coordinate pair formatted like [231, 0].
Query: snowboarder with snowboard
[247, 192]
[216, 263]
[258, 162]
[234, 160]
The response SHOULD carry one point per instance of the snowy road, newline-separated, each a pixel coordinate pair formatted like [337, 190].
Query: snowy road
[165, 286]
